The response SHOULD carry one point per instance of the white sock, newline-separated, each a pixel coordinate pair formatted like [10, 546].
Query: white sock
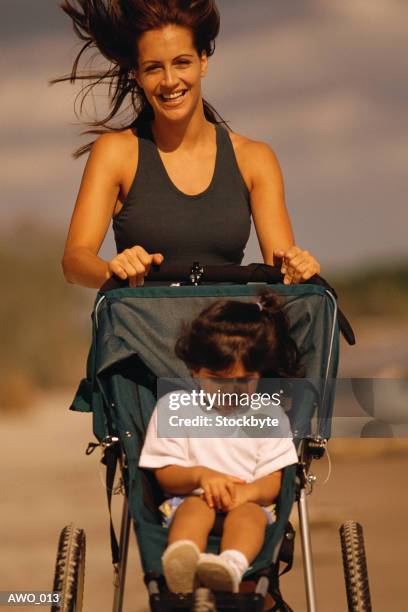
[237, 560]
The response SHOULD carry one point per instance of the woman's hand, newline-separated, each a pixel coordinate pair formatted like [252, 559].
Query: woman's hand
[219, 489]
[134, 264]
[297, 265]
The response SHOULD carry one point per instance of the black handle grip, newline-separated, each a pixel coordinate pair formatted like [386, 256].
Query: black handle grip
[230, 273]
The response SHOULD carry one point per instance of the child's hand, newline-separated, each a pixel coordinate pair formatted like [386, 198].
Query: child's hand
[242, 495]
[219, 490]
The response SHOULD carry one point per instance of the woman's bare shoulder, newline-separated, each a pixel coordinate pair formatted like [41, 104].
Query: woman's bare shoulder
[249, 148]
[116, 155]
[253, 157]
[114, 143]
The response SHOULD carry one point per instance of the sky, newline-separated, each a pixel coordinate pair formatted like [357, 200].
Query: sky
[323, 83]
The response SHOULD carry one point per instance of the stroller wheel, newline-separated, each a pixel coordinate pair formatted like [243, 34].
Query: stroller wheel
[204, 601]
[70, 569]
[355, 567]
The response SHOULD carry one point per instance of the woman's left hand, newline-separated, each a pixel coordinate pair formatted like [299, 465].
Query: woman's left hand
[296, 265]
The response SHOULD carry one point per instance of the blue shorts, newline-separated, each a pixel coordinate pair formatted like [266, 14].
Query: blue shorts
[170, 505]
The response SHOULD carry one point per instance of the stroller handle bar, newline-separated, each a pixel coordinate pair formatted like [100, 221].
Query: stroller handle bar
[197, 274]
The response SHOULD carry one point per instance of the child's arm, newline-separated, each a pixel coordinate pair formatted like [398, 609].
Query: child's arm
[218, 488]
[265, 490]
[273, 455]
[262, 491]
[178, 479]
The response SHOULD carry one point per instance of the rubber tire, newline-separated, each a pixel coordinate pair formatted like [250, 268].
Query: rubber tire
[355, 567]
[70, 569]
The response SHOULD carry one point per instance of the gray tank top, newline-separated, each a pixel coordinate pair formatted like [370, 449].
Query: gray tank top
[211, 227]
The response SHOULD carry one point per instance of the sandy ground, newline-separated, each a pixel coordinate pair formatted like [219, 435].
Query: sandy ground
[48, 482]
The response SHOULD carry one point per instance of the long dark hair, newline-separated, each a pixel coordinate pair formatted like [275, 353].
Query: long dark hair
[255, 333]
[113, 27]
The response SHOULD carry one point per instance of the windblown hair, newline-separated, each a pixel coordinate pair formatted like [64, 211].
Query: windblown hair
[113, 27]
[255, 333]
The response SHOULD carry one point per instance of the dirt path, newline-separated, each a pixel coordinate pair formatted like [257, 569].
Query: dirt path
[47, 482]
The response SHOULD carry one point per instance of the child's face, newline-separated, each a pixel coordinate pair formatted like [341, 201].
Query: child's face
[241, 380]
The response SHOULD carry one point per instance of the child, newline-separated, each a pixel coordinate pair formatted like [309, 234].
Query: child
[239, 477]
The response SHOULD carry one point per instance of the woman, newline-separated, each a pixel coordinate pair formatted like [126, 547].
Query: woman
[177, 184]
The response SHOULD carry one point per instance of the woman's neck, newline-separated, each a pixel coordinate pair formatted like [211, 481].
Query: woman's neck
[188, 135]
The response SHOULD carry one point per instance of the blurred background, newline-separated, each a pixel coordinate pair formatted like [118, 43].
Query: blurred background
[323, 83]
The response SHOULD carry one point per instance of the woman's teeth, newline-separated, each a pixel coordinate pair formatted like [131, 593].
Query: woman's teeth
[173, 96]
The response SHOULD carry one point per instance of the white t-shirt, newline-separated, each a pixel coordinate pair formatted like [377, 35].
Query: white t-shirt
[246, 458]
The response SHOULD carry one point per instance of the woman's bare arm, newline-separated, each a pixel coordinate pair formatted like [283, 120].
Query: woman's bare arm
[271, 218]
[93, 211]
[107, 177]
[270, 215]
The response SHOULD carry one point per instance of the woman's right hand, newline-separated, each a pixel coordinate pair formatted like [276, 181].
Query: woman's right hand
[218, 488]
[134, 264]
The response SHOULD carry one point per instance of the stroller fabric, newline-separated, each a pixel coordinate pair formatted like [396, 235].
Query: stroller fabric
[134, 332]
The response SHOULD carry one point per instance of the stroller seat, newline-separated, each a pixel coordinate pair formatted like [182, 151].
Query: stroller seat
[134, 332]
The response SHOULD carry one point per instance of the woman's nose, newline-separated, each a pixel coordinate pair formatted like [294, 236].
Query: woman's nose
[169, 77]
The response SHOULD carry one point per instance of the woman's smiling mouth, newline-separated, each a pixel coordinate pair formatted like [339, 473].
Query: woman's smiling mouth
[173, 99]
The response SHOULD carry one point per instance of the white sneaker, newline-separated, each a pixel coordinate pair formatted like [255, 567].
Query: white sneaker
[217, 574]
[179, 565]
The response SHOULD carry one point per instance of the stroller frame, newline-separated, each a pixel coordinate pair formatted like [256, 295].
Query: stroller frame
[313, 448]
[309, 447]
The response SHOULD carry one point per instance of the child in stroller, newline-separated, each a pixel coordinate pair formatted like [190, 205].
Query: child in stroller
[239, 477]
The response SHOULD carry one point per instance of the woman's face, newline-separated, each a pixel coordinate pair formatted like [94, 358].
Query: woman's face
[170, 71]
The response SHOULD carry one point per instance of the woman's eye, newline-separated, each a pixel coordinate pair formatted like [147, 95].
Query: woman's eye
[180, 62]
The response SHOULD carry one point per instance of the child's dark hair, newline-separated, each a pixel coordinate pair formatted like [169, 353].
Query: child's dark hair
[257, 333]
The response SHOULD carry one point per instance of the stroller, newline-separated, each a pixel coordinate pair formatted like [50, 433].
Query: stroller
[134, 332]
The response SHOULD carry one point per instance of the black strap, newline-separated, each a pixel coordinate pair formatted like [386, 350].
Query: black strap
[91, 447]
[287, 549]
[344, 324]
[346, 328]
[280, 604]
[110, 459]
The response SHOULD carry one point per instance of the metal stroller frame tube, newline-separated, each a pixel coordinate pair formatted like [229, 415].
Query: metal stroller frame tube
[120, 570]
[313, 447]
[121, 566]
[306, 551]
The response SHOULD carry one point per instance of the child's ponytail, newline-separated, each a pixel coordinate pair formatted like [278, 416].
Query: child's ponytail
[287, 358]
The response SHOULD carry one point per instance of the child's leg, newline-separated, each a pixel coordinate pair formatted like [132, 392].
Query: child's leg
[188, 536]
[243, 536]
[193, 520]
[244, 530]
